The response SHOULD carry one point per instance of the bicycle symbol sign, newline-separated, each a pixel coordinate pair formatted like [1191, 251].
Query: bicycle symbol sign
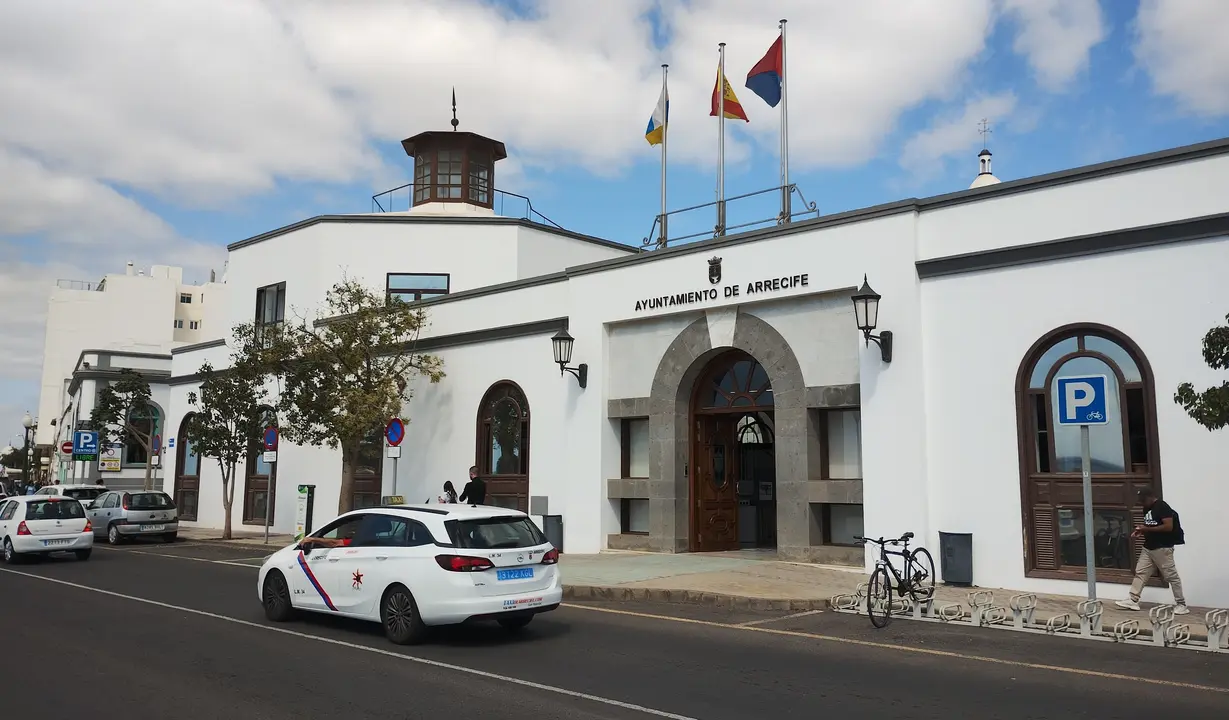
[1083, 400]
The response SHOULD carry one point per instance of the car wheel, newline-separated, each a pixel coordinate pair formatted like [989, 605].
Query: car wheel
[83, 554]
[513, 624]
[399, 615]
[113, 535]
[10, 555]
[169, 538]
[276, 597]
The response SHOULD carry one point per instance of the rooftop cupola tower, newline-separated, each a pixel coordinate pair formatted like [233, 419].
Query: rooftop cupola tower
[984, 176]
[454, 172]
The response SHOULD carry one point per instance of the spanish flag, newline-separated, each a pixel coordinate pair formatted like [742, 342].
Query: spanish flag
[733, 110]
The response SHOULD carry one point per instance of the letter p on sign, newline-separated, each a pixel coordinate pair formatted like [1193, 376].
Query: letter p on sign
[1082, 400]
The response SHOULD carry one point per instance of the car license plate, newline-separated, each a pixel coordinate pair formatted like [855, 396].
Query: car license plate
[152, 528]
[514, 574]
[50, 543]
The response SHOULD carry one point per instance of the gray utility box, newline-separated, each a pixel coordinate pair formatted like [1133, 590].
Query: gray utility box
[553, 530]
[956, 558]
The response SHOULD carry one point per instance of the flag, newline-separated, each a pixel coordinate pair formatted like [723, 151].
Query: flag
[766, 78]
[656, 131]
[733, 110]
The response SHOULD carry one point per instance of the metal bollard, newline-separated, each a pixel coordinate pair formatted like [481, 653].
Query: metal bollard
[979, 600]
[1218, 628]
[1162, 616]
[1126, 630]
[1023, 609]
[1059, 623]
[1090, 617]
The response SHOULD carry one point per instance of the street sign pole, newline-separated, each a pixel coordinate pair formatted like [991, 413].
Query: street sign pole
[1090, 555]
[1084, 400]
[394, 433]
[271, 438]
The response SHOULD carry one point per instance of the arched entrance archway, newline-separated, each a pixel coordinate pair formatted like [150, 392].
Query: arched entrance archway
[733, 487]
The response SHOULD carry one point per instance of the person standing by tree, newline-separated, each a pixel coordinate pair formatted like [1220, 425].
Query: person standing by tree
[1161, 531]
[475, 490]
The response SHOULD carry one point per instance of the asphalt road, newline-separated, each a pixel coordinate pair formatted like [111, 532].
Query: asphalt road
[177, 632]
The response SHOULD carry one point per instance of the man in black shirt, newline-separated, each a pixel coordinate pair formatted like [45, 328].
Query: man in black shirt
[1161, 531]
[475, 490]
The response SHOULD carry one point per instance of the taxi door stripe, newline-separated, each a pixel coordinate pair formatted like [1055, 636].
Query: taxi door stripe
[315, 583]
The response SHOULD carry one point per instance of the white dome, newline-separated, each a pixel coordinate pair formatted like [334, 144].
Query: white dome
[983, 180]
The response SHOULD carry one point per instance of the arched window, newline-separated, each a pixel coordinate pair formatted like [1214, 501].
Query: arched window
[256, 488]
[1123, 453]
[187, 472]
[369, 475]
[147, 421]
[503, 445]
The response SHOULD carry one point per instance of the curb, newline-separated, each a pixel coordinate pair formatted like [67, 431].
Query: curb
[691, 597]
[242, 544]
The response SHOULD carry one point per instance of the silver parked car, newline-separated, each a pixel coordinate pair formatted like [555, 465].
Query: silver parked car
[122, 515]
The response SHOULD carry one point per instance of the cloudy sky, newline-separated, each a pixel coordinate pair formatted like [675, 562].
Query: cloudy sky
[158, 131]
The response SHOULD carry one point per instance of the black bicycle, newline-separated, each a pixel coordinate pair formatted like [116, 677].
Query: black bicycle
[917, 580]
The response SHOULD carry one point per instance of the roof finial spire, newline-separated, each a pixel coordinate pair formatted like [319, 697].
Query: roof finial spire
[455, 122]
[983, 128]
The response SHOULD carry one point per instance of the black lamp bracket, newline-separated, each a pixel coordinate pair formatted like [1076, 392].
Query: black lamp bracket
[883, 340]
[580, 372]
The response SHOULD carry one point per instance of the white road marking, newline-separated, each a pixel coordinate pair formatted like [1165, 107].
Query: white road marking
[778, 619]
[355, 646]
[237, 563]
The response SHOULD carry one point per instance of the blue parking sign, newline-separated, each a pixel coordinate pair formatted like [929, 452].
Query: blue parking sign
[85, 442]
[1082, 400]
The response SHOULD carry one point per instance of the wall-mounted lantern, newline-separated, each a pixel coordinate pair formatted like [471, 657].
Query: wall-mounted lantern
[562, 343]
[866, 312]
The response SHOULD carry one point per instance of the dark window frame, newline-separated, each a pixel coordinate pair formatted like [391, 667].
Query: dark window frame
[417, 292]
[625, 448]
[186, 484]
[474, 156]
[254, 482]
[134, 447]
[1042, 490]
[185, 298]
[278, 292]
[511, 485]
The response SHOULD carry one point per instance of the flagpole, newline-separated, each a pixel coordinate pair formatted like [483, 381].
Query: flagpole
[786, 211]
[720, 139]
[665, 136]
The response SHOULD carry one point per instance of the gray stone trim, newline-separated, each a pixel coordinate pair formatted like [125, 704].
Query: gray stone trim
[627, 408]
[627, 489]
[1202, 228]
[629, 541]
[842, 492]
[556, 277]
[153, 377]
[219, 342]
[104, 356]
[669, 407]
[427, 220]
[834, 396]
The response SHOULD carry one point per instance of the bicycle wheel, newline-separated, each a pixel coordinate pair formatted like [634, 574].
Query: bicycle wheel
[922, 584]
[879, 598]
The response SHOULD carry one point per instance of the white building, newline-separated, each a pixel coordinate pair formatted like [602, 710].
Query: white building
[731, 401]
[130, 320]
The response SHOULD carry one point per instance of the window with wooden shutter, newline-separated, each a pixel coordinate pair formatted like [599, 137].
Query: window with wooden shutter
[1124, 455]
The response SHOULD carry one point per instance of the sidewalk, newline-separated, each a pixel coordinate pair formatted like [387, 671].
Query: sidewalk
[240, 538]
[736, 580]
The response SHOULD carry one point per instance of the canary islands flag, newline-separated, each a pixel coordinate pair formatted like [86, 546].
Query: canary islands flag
[656, 133]
[733, 109]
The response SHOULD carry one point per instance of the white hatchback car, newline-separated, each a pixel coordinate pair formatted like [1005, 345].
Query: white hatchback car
[413, 566]
[44, 524]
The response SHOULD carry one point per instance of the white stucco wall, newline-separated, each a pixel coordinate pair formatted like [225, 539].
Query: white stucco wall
[980, 326]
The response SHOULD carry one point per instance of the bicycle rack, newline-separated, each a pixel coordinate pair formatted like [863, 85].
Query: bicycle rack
[1126, 630]
[1058, 624]
[845, 602]
[1023, 610]
[1218, 630]
[1090, 612]
[924, 609]
[951, 612]
[979, 602]
[1162, 616]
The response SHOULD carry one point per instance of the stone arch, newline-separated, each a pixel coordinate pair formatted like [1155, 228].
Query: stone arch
[669, 415]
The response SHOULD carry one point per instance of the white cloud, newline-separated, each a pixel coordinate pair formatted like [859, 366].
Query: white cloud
[1056, 36]
[1182, 45]
[924, 154]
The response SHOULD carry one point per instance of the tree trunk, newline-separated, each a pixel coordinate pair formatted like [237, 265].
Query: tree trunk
[228, 500]
[349, 466]
[149, 469]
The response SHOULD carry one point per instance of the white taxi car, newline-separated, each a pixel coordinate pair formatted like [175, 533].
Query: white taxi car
[44, 524]
[413, 566]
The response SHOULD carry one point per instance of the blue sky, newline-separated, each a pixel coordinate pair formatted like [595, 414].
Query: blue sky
[192, 125]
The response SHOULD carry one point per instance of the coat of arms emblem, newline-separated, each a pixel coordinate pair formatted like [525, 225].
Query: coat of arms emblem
[714, 270]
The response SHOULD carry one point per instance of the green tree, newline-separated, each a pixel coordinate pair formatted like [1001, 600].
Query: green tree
[346, 374]
[123, 414]
[1210, 408]
[226, 423]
